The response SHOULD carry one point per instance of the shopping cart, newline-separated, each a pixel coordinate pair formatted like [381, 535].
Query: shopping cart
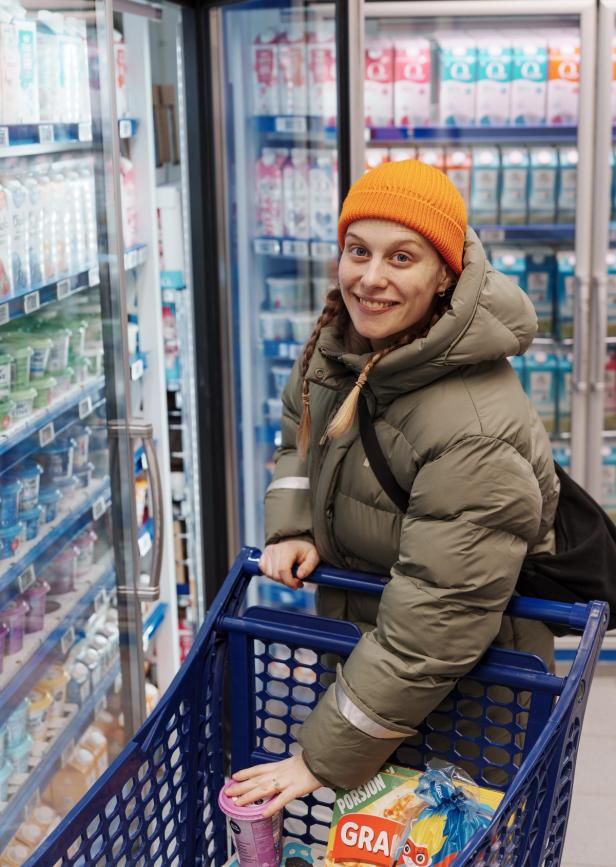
[157, 803]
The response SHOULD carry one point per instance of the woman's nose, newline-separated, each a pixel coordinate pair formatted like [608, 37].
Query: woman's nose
[374, 277]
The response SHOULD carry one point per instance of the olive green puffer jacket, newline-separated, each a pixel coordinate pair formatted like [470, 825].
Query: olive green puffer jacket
[461, 436]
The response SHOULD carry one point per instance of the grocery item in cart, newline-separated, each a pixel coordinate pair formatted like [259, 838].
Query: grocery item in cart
[36, 597]
[412, 83]
[258, 840]
[494, 78]
[265, 73]
[322, 92]
[457, 55]
[293, 70]
[379, 82]
[563, 78]
[296, 854]
[530, 79]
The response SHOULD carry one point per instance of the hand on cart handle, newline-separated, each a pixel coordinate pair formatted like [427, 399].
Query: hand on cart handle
[289, 779]
[278, 560]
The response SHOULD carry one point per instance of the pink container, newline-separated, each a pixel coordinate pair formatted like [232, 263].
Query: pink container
[258, 841]
[85, 543]
[62, 571]
[36, 597]
[14, 615]
[4, 634]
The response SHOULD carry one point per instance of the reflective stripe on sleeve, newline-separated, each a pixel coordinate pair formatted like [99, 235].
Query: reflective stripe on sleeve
[358, 718]
[299, 483]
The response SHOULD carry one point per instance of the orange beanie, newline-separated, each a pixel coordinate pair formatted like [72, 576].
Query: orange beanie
[413, 194]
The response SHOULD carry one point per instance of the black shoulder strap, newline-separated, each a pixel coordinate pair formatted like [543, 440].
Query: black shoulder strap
[376, 458]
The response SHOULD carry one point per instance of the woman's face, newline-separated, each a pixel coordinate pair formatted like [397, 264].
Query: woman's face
[389, 276]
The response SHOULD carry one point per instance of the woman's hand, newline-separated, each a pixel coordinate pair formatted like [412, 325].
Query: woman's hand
[289, 779]
[277, 561]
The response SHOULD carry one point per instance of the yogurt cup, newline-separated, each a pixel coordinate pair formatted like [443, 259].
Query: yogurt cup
[14, 615]
[77, 343]
[85, 543]
[61, 339]
[275, 326]
[21, 365]
[84, 475]
[16, 724]
[6, 361]
[302, 325]
[31, 522]
[10, 490]
[15, 855]
[10, 537]
[40, 702]
[7, 410]
[20, 753]
[36, 598]
[64, 380]
[258, 841]
[4, 635]
[46, 389]
[55, 683]
[95, 359]
[29, 473]
[41, 351]
[58, 459]
[287, 293]
[81, 435]
[102, 645]
[81, 368]
[78, 687]
[44, 817]
[24, 403]
[48, 500]
[91, 658]
[62, 571]
[6, 772]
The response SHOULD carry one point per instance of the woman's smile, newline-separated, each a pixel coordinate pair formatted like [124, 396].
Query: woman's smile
[374, 305]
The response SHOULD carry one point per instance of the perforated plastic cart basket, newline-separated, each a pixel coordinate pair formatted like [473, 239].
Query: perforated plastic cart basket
[512, 724]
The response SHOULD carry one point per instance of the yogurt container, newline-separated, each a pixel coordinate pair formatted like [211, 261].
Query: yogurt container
[84, 475]
[36, 597]
[4, 634]
[81, 368]
[7, 410]
[65, 486]
[58, 459]
[85, 543]
[16, 724]
[55, 683]
[64, 380]
[41, 351]
[61, 341]
[78, 688]
[81, 435]
[6, 772]
[91, 658]
[258, 841]
[29, 473]
[45, 818]
[15, 855]
[102, 645]
[95, 742]
[94, 356]
[21, 354]
[6, 360]
[24, 403]
[20, 753]
[62, 571]
[30, 834]
[10, 538]
[46, 389]
[30, 523]
[302, 325]
[275, 326]
[48, 500]
[14, 615]
[10, 491]
[40, 702]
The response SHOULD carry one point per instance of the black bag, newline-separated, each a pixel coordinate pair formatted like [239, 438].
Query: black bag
[584, 565]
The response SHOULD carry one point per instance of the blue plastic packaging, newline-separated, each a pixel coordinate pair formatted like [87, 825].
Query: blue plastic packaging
[58, 459]
[31, 520]
[10, 489]
[9, 540]
[29, 474]
[48, 499]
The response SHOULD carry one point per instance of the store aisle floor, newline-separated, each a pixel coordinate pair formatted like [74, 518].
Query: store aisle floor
[591, 839]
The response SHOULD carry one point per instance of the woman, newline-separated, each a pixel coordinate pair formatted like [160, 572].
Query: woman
[422, 325]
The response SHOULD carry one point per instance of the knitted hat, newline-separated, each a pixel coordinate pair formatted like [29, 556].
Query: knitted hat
[413, 194]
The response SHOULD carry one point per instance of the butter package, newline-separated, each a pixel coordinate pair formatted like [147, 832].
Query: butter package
[408, 818]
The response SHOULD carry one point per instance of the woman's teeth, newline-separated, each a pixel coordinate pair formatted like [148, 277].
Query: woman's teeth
[375, 305]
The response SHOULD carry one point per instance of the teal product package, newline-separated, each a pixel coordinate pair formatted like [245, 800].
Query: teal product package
[541, 286]
[541, 386]
[565, 293]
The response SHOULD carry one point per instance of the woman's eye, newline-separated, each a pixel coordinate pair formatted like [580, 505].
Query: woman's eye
[359, 251]
[402, 258]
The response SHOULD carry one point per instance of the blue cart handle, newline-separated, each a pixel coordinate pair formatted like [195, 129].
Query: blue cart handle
[574, 615]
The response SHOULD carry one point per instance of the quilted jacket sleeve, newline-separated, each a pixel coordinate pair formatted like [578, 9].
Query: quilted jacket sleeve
[471, 513]
[287, 500]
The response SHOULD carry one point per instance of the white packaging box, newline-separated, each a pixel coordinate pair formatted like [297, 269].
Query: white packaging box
[379, 83]
[514, 185]
[170, 233]
[563, 78]
[494, 79]
[458, 164]
[412, 83]
[458, 79]
[567, 183]
[268, 184]
[433, 156]
[19, 93]
[485, 185]
[322, 74]
[530, 79]
[264, 74]
[542, 186]
[323, 189]
[293, 71]
[295, 195]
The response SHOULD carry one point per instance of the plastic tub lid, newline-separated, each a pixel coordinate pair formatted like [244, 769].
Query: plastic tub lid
[5, 357]
[8, 532]
[10, 484]
[30, 514]
[18, 350]
[39, 587]
[56, 676]
[66, 484]
[40, 341]
[23, 394]
[49, 495]
[7, 406]
[28, 468]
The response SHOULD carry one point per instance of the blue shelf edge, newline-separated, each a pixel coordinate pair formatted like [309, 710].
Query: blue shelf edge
[477, 133]
[153, 622]
[44, 134]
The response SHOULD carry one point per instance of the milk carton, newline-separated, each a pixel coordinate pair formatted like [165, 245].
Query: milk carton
[485, 185]
[458, 80]
[541, 381]
[119, 54]
[375, 157]
[83, 70]
[9, 70]
[512, 262]
[323, 190]
[379, 83]
[563, 78]
[494, 77]
[70, 58]
[412, 83]
[80, 228]
[293, 71]
[48, 28]
[63, 223]
[530, 77]
[611, 293]
[397, 154]
[268, 171]
[50, 225]
[458, 165]
[88, 205]
[565, 292]
[19, 94]
[565, 388]
[433, 156]
[265, 91]
[567, 184]
[542, 187]
[128, 190]
[541, 286]
[19, 213]
[6, 247]
[295, 190]
[36, 228]
[322, 73]
[514, 184]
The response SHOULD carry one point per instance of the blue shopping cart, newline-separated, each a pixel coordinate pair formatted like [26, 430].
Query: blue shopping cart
[157, 803]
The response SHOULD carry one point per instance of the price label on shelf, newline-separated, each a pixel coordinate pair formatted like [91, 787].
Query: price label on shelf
[136, 369]
[126, 128]
[94, 276]
[492, 236]
[145, 544]
[26, 579]
[63, 289]
[291, 124]
[67, 752]
[32, 302]
[100, 600]
[99, 507]
[4, 314]
[47, 434]
[4, 137]
[67, 640]
[45, 132]
[267, 246]
[84, 131]
[323, 250]
[299, 249]
[85, 406]
[101, 705]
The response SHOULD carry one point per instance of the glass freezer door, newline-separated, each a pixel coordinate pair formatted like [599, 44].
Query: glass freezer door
[71, 669]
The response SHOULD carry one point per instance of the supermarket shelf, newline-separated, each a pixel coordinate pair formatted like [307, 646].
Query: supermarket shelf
[41, 774]
[135, 256]
[152, 622]
[557, 233]
[44, 425]
[18, 572]
[296, 248]
[127, 127]
[25, 140]
[24, 669]
[286, 349]
[58, 290]
[292, 125]
[448, 134]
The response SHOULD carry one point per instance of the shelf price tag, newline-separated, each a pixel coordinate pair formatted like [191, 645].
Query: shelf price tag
[26, 579]
[323, 250]
[84, 131]
[100, 600]
[145, 544]
[67, 640]
[47, 434]
[492, 236]
[63, 288]
[94, 276]
[32, 302]
[267, 246]
[85, 406]
[67, 752]
[136, 369]
[46, 134]
[99, 507]
[291, 124]
[4, 137]
[4, 314]
[299, 249]
[126, 128]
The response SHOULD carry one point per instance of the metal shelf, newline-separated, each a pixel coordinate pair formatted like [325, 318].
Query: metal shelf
[23, 670]
[40, 775]
[127, 127]
[297, 248]
[25, 140]
[135, 256]
[291, 125]
[153, 622]
[557, 233]
[34, 299]
[42, 427]
[19, 570]
[383, 135]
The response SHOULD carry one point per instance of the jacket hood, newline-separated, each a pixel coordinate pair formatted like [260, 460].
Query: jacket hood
[490, 318]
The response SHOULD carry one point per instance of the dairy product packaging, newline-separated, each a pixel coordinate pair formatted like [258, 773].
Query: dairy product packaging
[6, 247]
[119, 53]
[563, 78]
[613, 91]
[265, 74]
[50, 82]
[541, 286]
[511, 262]
[128, 191]
[542, 186]
[62, 216]
[608, 480]
[609, 400]
[494, 79]
[322, 77]
[19, 97]
[17, 197]
[375, 157]
[406, 153]
[379, 83]
[36, 227]
[542, 384]
[296, 197]
[458, 165]
[567, 184]
[611, 293]
[458, 80]
[71, 60]
[412, 83]
[268, 173]
[514, 185]
[433, 156]
[565, 292]
[258, 841]
[323, 190]
[485, 177]
[565, 387]
[529, 80]
[293, 71]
